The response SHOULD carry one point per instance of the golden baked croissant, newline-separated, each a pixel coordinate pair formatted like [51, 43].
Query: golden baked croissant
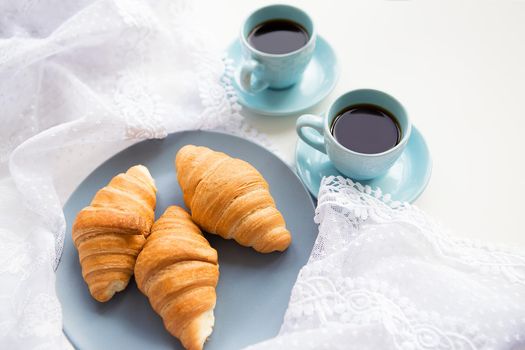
[229, 197]
[178, 271]
[110, 232]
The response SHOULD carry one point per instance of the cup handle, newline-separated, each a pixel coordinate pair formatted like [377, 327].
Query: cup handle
[315, 138]
[248, 82]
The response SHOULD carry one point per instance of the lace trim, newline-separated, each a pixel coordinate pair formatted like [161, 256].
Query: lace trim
[220, 98]
[321, 301]
[142, 111]
[345, 198]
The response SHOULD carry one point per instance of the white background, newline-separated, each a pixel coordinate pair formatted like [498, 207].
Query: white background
[459, 69]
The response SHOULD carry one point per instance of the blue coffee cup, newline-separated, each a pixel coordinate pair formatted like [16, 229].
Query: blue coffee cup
[261, 70]
[316, 131]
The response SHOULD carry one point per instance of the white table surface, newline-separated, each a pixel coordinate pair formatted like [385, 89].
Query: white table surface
[459, 69]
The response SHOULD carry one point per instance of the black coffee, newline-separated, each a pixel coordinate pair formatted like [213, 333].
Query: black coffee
[366, 129]
[278, 36]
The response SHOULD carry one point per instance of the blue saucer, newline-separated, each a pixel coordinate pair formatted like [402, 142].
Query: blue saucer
[318, 81]
[405, 181]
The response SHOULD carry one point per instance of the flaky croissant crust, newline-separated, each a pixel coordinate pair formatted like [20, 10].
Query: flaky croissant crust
[178, 271]
[229, 197]
[110, 232]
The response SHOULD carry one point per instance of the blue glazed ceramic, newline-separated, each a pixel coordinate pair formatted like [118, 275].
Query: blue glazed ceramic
[253, 289]
[315, 130]
[261, 70]
[318, 80]
[405, 180]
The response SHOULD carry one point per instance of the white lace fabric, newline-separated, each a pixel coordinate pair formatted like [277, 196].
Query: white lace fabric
[80, 80]
[383, 275]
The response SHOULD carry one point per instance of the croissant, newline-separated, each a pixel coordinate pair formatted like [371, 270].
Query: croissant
[110, 232]
[229, 197]
[178, 271]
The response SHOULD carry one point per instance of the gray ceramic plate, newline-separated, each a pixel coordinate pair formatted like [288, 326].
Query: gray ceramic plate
[253, 289]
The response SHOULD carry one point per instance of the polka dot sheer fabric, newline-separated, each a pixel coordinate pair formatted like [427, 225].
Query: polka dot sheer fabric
[79, 81]
[383, 275]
